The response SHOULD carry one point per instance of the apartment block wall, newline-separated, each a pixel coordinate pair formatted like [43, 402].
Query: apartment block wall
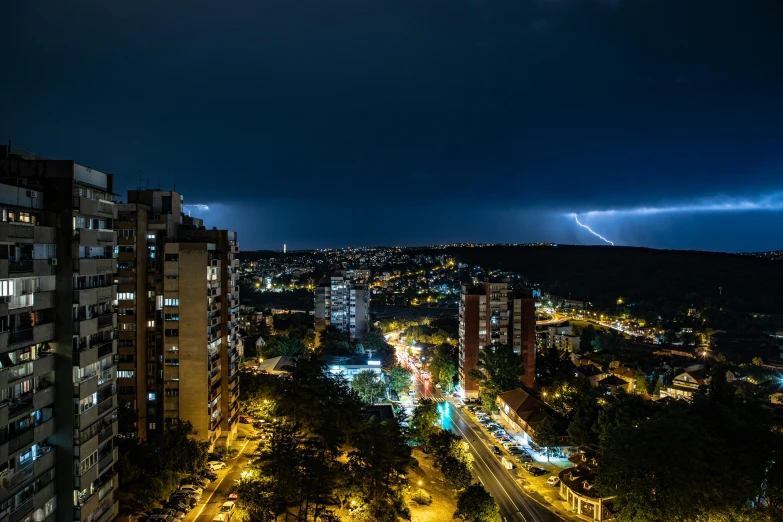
[60, 419]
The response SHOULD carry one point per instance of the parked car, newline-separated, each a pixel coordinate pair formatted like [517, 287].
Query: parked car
[184, 498]
[208, 475]
[524, 458]
[215, 465]
[160, 518]
[193, 494]
[178, 515]
[228, 509]
[503, 438]
[178, 505]
[411, 392]
[233, 496]
[536, 471]
[495, 450]
[192, 487]
[196, 481]
[438, 386]
[553, 481]
[244, 419]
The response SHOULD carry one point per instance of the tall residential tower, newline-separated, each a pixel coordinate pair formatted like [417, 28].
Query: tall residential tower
[495, 313]
[178, 306]
[344, 304]
[58, 404]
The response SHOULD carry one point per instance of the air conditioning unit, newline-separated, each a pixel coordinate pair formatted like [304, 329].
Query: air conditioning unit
[7, 480]
[32, 194]
[53, 261]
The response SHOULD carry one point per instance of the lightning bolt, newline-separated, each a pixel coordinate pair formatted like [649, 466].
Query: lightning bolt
[596, 234]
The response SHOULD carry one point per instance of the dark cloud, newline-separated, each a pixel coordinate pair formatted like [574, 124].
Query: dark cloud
[343, 122]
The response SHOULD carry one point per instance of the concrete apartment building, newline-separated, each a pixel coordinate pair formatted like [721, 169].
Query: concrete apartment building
[494, 312]
[179, 295]
[341, 302]
[58, 404]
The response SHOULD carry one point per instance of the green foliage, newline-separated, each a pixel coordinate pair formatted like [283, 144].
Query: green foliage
[476, 505]
[423, 422]
[584, 415]
[400, 379]
[704, 461]
[442, 364]
[421, 497]
[381, 350]
[379, 462]
[452, 456]
[368, 386]
[278, 345]
[429, 335]
[546, 435]
[608, 342]
[625, 410]
[498, 370]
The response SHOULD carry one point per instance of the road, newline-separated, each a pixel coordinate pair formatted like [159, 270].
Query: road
[514, 504]
[217, 493]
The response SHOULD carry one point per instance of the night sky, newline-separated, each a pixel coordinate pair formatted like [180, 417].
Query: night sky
[373, 122]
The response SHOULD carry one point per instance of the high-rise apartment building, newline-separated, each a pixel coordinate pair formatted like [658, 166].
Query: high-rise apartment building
[58, 404]
[342, 303]
[178, 323]
[495, 313]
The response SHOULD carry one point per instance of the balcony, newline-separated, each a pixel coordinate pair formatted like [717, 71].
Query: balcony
[43, 397]
[95, 207]
[20, 336]
[94, 353]
[107, 320]
[43, 332]
[97, 266]
[43, 300]
[107, 405]
[21, 440]
[20, 267]
[107, 460]
[92, 296]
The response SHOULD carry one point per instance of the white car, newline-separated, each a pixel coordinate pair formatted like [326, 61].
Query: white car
[228, 509]
[553, 481]
[191, 487]
[215, 465]
[437, 386]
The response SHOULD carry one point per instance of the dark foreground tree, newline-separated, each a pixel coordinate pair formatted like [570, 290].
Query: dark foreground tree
[476, 505]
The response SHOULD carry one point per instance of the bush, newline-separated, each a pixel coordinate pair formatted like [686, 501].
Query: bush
[421, 497]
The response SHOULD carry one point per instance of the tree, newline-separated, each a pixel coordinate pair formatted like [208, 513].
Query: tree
[379, 462]
[332, 341]
[442, 364]
[584, 414]
[546, 435]
[400, 379]
[498, 369]
[757, 361]
[278, 345]
[367, 385]
[423, 421]
[476, 505]
[626, 410]
[609, 342]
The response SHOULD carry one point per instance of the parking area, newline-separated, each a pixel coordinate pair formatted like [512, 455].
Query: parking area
[529, 467]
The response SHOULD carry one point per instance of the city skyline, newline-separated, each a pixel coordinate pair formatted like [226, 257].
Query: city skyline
[468, 122]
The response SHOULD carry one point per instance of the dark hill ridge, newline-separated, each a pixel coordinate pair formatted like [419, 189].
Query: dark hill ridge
[601, 274]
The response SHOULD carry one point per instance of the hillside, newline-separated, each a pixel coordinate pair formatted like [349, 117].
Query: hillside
[602, 274]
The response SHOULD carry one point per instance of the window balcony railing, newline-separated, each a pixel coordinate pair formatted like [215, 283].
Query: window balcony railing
[20, 336]
[106, 320]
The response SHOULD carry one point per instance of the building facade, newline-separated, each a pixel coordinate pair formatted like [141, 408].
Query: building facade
[179, 313]
[58, 404]
[342, 303]
[495, 313]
